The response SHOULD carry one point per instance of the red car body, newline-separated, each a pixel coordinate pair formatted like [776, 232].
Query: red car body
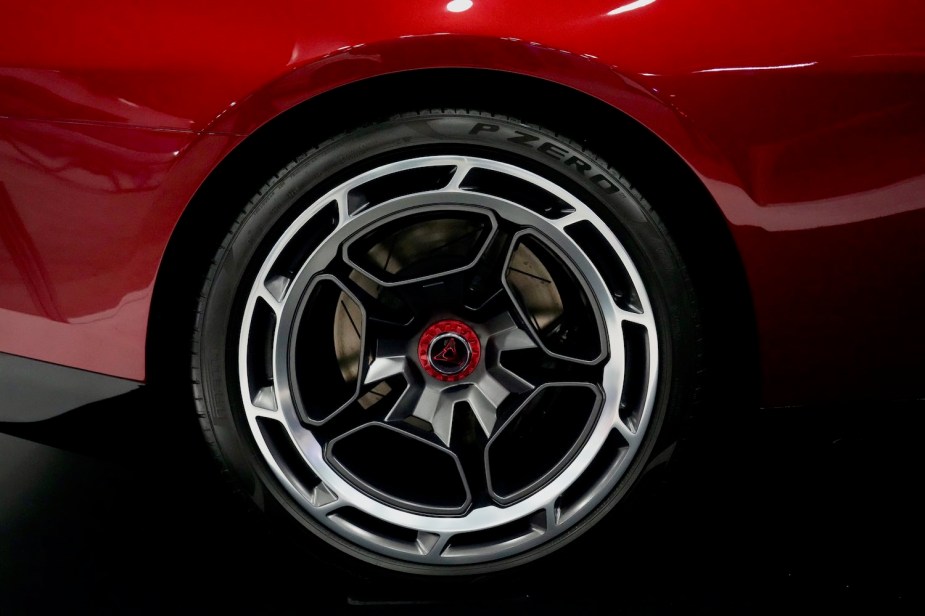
[804, 122]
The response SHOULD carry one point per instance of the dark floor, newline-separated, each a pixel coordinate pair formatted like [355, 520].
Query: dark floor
[806, 511]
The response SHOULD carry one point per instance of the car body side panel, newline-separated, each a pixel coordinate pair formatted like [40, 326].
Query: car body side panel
[85, 213]
[803, 121]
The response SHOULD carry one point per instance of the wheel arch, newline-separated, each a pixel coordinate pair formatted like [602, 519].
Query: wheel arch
[684, 203]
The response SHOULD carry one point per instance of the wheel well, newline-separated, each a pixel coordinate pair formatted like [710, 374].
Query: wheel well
[684, 204]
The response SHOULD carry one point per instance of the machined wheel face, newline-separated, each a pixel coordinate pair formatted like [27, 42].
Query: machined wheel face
[448, 360]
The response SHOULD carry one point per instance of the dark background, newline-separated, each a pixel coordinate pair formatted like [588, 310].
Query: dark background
[113, 509]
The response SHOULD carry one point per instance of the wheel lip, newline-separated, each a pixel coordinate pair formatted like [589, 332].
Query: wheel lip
[309, 448]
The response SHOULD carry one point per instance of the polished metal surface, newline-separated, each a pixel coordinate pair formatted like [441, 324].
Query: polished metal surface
[433, 402]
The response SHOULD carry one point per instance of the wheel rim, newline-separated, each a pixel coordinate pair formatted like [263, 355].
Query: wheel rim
[371, 438]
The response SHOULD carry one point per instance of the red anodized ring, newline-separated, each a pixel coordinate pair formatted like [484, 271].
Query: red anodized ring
[460, 351]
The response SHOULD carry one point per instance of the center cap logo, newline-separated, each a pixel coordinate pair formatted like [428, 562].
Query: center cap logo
[449, 350]
[449, 353]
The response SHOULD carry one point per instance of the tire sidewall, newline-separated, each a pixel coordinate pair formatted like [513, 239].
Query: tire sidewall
[407, 136]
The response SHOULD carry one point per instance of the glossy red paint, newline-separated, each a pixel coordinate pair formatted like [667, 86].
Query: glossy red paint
[85, 213]
[803, 121]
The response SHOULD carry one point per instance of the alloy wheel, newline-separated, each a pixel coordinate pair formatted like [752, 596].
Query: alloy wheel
[448, 360]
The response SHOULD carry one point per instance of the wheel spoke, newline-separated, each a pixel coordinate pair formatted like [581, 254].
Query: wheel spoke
[461, 355]
[436, 410]
[504, 335]
[343, 210]
[484, 408]
[384, 367]
[432, 545]
[253, 410]
[379, 313]
[389, 360]
[550, 513]
[628, 434]
[325, 500]
[265, 399]
[277, 286]
[427, 405]
[462, 169]
[568, 219]
[469, 440]
[634, 317]
[513, 339]
[270, 299]
[533, 367]
[376, 401]
[554, 300]
[485, 279]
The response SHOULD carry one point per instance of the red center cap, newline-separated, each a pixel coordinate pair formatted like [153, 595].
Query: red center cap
[449, 350]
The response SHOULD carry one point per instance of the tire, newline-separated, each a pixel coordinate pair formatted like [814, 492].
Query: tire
[445, 343]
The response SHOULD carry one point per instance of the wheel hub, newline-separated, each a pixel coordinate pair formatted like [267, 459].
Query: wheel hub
[449, 350]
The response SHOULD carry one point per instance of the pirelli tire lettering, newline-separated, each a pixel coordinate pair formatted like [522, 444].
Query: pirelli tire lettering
[591, 391]
[554, 151]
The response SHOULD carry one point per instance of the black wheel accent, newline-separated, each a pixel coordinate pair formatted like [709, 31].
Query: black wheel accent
[445, 343]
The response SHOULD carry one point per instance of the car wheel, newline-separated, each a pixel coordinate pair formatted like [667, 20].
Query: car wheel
[444, 343]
